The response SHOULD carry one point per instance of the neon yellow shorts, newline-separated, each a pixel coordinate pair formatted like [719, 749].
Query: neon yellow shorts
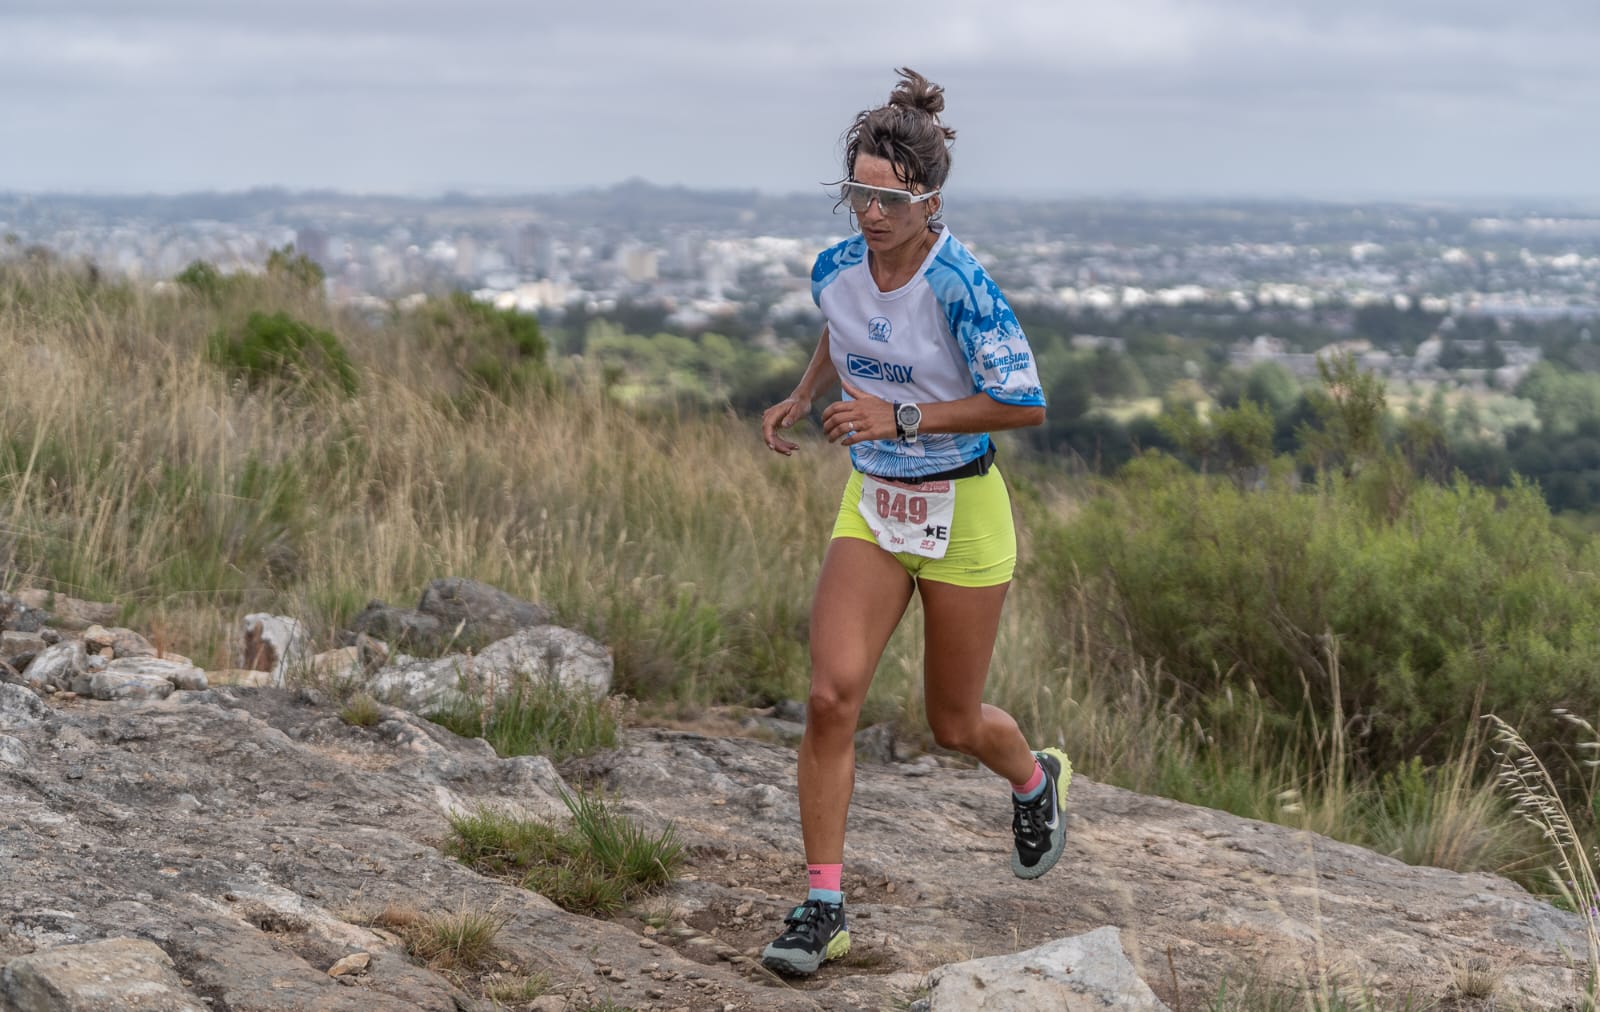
[983, 540]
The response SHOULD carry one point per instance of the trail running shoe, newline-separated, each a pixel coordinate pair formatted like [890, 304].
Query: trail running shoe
[1038, 826]
[814, 933]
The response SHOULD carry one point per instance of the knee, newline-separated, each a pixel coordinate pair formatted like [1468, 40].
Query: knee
[955, 734]
[829, 708]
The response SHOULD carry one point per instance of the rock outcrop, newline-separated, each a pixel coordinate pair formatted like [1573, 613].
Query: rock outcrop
[232, 847]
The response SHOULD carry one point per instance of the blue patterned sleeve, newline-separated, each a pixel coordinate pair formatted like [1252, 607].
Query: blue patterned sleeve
[985, 328]
[833, 260]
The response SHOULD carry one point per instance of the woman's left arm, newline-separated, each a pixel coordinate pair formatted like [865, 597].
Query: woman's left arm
[865, 417]
[978, 413]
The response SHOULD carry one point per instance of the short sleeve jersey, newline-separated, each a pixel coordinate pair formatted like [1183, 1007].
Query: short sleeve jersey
[946, 334]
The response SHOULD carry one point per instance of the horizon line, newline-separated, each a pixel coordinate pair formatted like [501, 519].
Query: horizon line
[497, 192]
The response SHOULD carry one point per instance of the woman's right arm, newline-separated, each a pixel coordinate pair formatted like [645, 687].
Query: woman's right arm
[820, 377]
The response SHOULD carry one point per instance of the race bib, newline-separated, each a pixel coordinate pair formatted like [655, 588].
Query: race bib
[907, 517]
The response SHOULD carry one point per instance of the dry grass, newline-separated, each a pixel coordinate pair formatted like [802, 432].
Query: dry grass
[132, 470]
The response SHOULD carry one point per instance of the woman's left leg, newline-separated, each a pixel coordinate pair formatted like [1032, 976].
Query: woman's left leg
[961, 625]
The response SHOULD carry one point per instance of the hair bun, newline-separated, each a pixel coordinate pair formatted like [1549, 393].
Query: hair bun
[918, 94]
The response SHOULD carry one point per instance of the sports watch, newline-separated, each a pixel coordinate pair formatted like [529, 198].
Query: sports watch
[907, 419]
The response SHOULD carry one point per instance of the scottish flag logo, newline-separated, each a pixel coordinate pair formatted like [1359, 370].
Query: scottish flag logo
[864, 367]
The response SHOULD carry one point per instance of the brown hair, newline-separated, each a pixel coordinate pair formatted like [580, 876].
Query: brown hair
[905, 130]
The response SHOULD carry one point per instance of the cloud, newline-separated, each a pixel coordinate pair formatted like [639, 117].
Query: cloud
[1166, 94]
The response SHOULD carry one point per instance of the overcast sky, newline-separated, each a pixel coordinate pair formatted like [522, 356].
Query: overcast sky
[1322, 98]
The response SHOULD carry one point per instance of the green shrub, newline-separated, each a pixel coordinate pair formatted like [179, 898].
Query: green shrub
[202, 278]
[495, 351]
[277, 347]
[1401, 613]
[296, 269]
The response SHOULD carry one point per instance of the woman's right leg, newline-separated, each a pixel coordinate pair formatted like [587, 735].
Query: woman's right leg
[861, 596]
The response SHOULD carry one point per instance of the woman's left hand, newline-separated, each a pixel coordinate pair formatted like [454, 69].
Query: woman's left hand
[862, 418]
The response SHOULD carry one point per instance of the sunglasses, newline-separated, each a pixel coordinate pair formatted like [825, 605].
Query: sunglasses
[890, 201]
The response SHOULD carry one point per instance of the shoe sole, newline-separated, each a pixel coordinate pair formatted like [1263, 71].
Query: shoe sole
[1058, 836]
[838, 945]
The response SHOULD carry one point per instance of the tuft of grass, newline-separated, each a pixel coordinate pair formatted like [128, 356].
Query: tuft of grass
[1475, 978]
[1527, 781]
[596, 867]
[539, 717]
[516, 987]
[459, 940]
[1257, 994]
[463, 940]
[621, 846]
[362, 710]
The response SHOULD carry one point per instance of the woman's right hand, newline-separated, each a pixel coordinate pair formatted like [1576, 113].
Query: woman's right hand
[781, 416]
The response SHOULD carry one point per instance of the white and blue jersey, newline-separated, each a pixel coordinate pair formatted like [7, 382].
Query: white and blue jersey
[946, 334]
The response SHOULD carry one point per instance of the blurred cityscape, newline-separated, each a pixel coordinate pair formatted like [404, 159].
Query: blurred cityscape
[706, 256]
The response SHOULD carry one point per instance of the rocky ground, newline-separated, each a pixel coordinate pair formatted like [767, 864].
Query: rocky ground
[257, 839]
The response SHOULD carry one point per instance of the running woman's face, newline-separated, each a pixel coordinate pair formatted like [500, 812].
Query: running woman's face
[908, 223]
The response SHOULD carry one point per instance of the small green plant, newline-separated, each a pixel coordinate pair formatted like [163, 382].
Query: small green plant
[597, 866]
[539, 717]
[276, 346]
[361, 711]
[203, 279]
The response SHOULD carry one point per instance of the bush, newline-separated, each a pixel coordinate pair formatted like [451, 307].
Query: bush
[1403, 606]
[277, 347]
[495, 351]
[203, 279]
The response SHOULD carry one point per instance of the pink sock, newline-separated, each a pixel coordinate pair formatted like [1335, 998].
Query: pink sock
[825, 876]
[1032, 786]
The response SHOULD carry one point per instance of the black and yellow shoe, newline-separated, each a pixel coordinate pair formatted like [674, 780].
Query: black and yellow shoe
[1040, 831]
[814, 932]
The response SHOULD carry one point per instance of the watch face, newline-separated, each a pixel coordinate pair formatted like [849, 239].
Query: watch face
[910, 415]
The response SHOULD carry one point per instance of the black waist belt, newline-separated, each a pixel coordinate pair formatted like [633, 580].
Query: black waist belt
[971, 469]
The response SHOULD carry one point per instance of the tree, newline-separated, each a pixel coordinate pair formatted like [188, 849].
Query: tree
[1350, 410]
[295, 268]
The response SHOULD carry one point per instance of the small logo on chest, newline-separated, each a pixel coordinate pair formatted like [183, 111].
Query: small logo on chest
[879, 328]
[871, 368]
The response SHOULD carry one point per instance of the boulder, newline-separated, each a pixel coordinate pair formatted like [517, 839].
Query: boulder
[275, 643]
[56, 667]
[117, 642]
[454, 614]
[114, 975]
[1088, 970]
[484, 614]
[65, 612]
[20, 708]
[543, 654]
[18, 649]
[401, 628]
[18, 616]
